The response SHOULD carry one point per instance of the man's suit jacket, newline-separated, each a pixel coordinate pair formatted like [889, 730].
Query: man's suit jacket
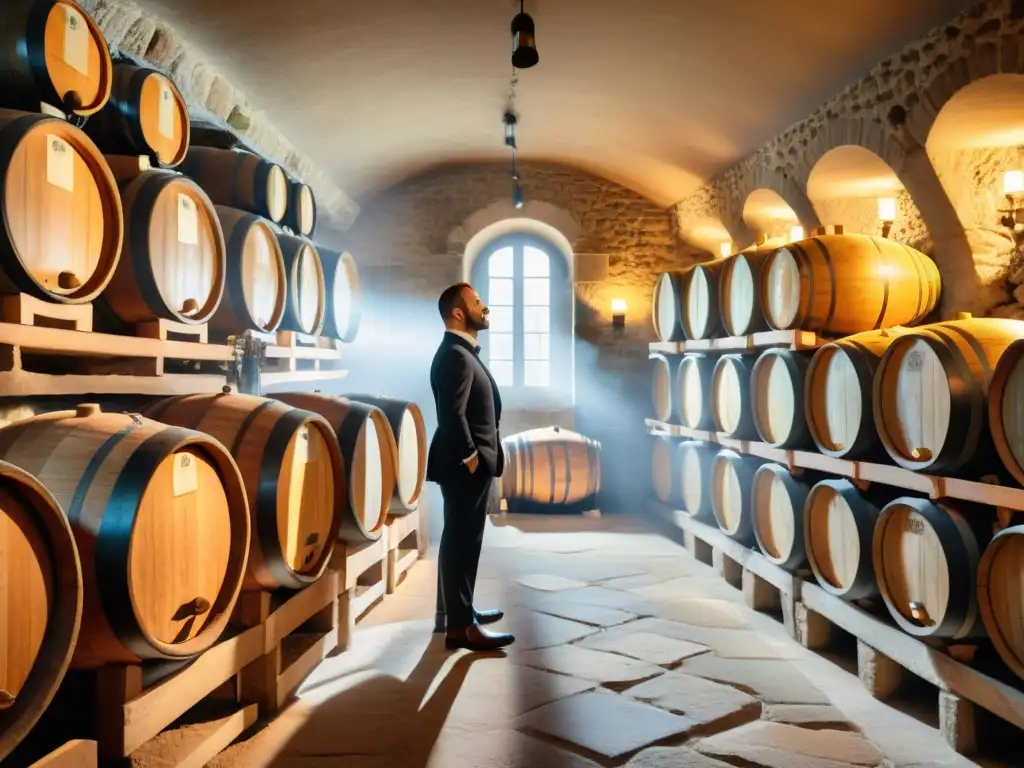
[468, 414]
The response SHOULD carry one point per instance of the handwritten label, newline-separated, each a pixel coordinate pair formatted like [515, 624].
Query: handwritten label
[60, 163]
[915, 525]
[76, 40]
[303, 447]
[188, 220]
[167, 110]
[186, 475]
[915, 361]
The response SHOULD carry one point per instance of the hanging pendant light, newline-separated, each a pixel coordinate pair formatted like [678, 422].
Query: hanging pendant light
[524, 42]
[510, 130]
[517, 196]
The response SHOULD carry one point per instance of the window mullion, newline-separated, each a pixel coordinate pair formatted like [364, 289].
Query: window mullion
[518, 316]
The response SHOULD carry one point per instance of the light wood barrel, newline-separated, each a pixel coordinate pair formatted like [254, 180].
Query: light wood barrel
[550, 467]
[700, 314]
[662, 368]
[61, 211]
[739, 296]
[778, 512]
[301, 215]
[839, 524]
[371, 459]
[53, 52]
[256, 283]
[732, 489]
[40, 602]
[173, 265]
[146, 115]
[406, 420]
[294, 479]
[240, 180]
[931, 390]
[777, 398]
[161, 522]
[343, 311]
[665, 474]
[306, 306]
[692, 392]
[1001, 595]
[811, 285]
[695, 461]
[1006, 409]
[926, 559]
[730, 397]
[667, 307]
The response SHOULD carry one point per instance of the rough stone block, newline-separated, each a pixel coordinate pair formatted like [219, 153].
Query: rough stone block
[880, 675]
[956, 723]
[813, 631]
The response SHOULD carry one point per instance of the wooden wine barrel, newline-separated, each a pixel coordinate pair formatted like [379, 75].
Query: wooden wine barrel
[343, 310]
[147, 503]
[239, 180]
[294, 479]
[730, 397]
[693, 391]
[931, 390]
[739, 297]
[1001, 595]
[837, 398]
[173, 266]
[61, 211]
[778, 512]
[301, 215]
[732, 490]
[1006, 410]
[306, 306]
[146, 115]
[839, 523]
[695, 461]
[777, 398]
[809, 284]
[255, 284]
[662, 368]
[41, 607]
[53, 52]
[406, 420]
[700, 314]
[665, 475]
[926, 559]
[667, 307]
[371, 458]
[550, 467]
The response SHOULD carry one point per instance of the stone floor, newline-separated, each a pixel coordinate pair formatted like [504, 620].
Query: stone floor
[629, 653]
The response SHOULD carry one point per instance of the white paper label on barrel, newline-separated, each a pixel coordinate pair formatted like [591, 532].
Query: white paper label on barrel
[76, 40]
[188, 220]
[167, 110]
[186, 475]
[303, 449]
[60, 163]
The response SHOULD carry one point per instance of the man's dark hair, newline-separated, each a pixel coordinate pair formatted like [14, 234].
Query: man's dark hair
[451, 298]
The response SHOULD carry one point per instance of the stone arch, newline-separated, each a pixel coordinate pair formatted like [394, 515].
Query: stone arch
[787, 188]
[707, 234]
[766, 213]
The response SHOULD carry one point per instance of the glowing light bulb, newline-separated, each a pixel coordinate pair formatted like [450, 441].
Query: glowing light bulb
[1013, 182]
[795, 234]
[618, 306]
[725, 249]
[887, 209]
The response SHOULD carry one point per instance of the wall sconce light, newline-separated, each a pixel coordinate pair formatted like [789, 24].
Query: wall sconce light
[618, 315]
[886, 214]
[1013, 188]
[524, 42]
[796, 234]
[725, 249]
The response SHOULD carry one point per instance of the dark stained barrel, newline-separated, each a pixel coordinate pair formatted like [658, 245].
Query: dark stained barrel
[410, 432]
[301, 215]
[306, 305]
[239, 180]
[667, 307]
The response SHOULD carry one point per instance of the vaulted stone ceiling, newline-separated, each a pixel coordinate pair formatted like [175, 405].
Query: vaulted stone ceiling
[654, 94]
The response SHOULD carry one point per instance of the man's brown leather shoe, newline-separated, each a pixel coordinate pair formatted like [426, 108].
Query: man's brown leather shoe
[474, 638]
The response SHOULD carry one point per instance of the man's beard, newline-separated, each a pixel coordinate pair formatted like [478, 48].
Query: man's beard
[478, 325]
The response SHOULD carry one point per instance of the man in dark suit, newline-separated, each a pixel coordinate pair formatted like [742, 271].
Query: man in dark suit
[465, 457]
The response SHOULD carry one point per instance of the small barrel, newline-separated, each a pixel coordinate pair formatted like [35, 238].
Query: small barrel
[777, 398]
[294, 478]
[665, 475]
[256, 284]
[147, 503]
[667, 307]
[662, 368]
[839, 523]
[300, 217]
[926, 559]
[1006, 409]
[406, 420]
[54, 53]
[239, 180]
[732, 488]
[695, 461]
[931, 391]
[550, 468]
[40, 615]
[61, 211]
[1001, 595]
[371, 458]
[738, 296]
[700, 315]
[693, 391]
[343, 311]
[306, 306]
[778, 512]
[173, 265]
[730, 397]
[808, 285]
[146, 115]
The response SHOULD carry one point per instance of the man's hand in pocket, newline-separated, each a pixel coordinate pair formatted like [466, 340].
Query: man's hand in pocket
[473, 463]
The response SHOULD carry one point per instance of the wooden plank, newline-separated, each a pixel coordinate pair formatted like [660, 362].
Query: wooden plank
[276, 379]
[770, 453]
[667, 347]
[59, 340]
[299, 609]
[733, 344]
[822, 463]
[275, 352]
[20, 383]
[734, 444]
[353, 561]
[193, 746]
[400, 527]
[901, 478]
[74, 754]
[364, 599]
[296, 673]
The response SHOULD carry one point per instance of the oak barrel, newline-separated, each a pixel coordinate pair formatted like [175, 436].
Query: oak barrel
[240, 180]
[931, 391]
[695, 462]
[843, 284]
[300, 217]
[1001, 595]
[550, 467]
[53, 52]
[700, 314]
[40, 602]
[306, 304]
[371, 458]
[161, 522]
[294, 479]
[732, 489]
[926, 557]
[61, 211]
[1006, 409]
[406, 420]
[255, 281]
[667, 307]
[730, 397]
[343, 310]
[692, 392]
[665, 474]
[662, 369]
[173, 265]
[777, 398]
[778, 511]
[739, 297]
[146, 115]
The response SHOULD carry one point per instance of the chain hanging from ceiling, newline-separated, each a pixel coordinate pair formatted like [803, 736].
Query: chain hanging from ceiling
[524, 56]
